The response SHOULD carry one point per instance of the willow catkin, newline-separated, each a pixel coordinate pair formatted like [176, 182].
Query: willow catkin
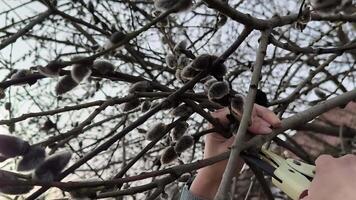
[115, 38]
[188, 73]
[180, 46]
[33, 158]
[179, 130]
[130, 105]
[327, 6]
[156, 131]
[80, 72]
[103, 66]
[52, 166]
[11, 146]
[65, 84]
[182, 110]
[178, 5]
[141, 86]
[184, 143]
[168, 155]
[14, 189]
[52, 69]
[171, 61]
[218, 90]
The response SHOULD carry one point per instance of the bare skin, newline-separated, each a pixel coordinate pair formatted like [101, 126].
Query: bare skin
[335, 178]
[208, 179]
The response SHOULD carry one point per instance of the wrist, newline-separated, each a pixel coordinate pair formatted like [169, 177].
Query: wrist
[205, 186]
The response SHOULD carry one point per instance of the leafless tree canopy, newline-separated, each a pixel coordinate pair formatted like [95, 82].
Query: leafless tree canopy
[116, 88]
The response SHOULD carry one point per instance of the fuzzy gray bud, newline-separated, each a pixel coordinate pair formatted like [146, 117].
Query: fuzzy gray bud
[2, 93]
[52, 69]
[103, 66]
[65, 84]
[156, 131]
[184, 143]
[183, 61]
[182, 110]
[208, 84]
[15, 189]
[22, 73]
[115, 38]
[141, 86]
[178, 5]
[80, 72]
[206, 62]
[188, 73]
[327, 6]
[52, 167]
[179, 130]
[180, 46]
[33, 158]
[132, 104]
[218, 90]
[11, 146]
[168, 155]
[171, 61]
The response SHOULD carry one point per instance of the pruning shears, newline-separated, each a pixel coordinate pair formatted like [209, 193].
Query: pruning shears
[292, 176]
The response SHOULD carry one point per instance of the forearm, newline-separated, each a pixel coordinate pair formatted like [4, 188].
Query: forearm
[208, 179]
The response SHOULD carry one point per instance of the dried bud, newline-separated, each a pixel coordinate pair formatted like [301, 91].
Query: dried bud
[52, 69]
[171, 61]
[206, 62]
[188, 73]
[11, 146]
[52, 167]
[2, 93]
[261, 98]
[182, 110]
[183, 61]
[32, 159]
[48, 125]
[80, 72]
[132, 104]
[319, 93]
[178, 5]
[141, 86]
[14, 189]
[8, 106]
[180, 46]
[103, 66]
[65, 84]
[184, 143]
[218, 90]
[146, 105]
[179, 130]
[156, 131]
[168, 155]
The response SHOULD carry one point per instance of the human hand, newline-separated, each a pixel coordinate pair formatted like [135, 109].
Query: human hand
[334, 179]
[262, 122]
